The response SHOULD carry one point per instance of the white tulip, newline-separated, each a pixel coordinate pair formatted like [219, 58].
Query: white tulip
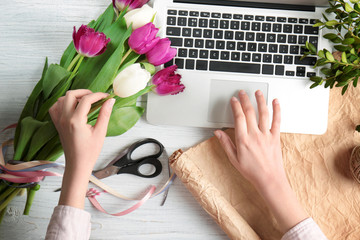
[131, 80]
[140, 16]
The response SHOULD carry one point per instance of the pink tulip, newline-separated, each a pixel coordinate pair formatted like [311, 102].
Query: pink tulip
[161, 52]
[167, 82]
[144, 39]
[122, 4]
[88, 42]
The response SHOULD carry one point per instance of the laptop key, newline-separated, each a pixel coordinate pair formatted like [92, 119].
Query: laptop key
[224, 24]
[183, 13]
[176, 42]
[190, 64]
[179, 62]
[277, 59]
[220, 44]
[218, 34]
[182, 21]
[268, 69]
[298, 28]
[245, 25]
[266, 27]
[259, 18]
[250, 36]
[241, 46]
[193, 53]
[292, 39]
[209, 44]
[305, 61]
[208, 33]
[251, 47]
[270, 37]
[169, 63]
[182, 52]
[276, 27]
[239, 35]
[171, 20]
[230, 45]
[292, 20]
[290, 73]
[256, 57]
[311, 74]
[281, 19]
[192, 22]
[235, 25]
[173, 31]
[302, 39]
[194, 13]
[270, 19]
[260, 37]
[294, 49]
[287, 28]
[279, 70]
[238, 16]
[255, 26]
[225, 55]
[201, 65]
[199, 43]
[216, 15]
[171, 12]
[186, 32]
[205, 14]
[214, 54]
[204, 54]
[281, 38]
[267, 58]
[303, 20]
[283, 49]
[214, 23]
[245, 57]
[235, 67]
[235, 56]
[300, 71]
[313, 41]
[226, 15]
[262, 47]
[273, 48]
[229, 35]
[197, 32]
[249, 17]
[311, 30]
[288, 59]
[188, 42]
[203, 23]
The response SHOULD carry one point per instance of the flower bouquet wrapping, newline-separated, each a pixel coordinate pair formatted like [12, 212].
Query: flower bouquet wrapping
[118, 54]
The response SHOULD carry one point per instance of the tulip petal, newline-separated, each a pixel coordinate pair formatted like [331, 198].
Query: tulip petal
[169, 89]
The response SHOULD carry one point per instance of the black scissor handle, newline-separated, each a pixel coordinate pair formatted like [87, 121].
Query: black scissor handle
[134, 168]
[127, 159]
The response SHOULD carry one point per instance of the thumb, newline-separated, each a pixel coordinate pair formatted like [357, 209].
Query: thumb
[104, 116]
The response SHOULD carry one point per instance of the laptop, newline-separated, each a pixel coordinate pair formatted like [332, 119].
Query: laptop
[225, 46]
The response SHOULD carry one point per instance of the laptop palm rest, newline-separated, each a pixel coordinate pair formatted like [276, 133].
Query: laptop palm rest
[221, 92]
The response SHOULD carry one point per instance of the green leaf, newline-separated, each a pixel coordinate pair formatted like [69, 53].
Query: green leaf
[318, 24]
[329, 56]
[357, 128]
[352, 51]
[321, 54]
[348, 41]
[355, 82]
[348, 69]
[122, 119]
[330, 36]
[30, 106]
[344, 89]
[338, 72]
[342, 48]
[316, 79]
[348, 8]
[357, 7]
[52, 148]
[105, 19]
[312, 48]
[40, 138]
[54, 75]
[314, 85]
[326, 71]
[29, 126]
[331, 23]
[149, 67]
[343, 57]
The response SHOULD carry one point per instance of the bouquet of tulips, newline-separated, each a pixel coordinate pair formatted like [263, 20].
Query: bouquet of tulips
[116, 54]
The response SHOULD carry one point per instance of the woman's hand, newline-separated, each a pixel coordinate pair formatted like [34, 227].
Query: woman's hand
[256, 154]
[81, 142]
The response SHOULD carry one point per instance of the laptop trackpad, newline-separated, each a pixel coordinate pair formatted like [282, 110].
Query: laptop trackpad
[221, 92]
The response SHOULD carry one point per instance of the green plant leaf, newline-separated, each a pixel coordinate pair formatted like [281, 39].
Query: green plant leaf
[330, 36]
[348, 69]
[338, 73]
[342, 48]
[326, 71]
[343, 57]
[54, 75]
[357, 128]
[329, 56]
[355, 82]
[331, 23]
[29, 126]
[316, 79]
[122, 119]
[348, 8]
[348, 41]
[30, 105]
[314, 85]
[51, 149]
[40, 137]
[344, 89]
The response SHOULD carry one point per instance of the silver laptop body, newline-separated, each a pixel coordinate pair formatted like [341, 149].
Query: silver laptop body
[225, 46]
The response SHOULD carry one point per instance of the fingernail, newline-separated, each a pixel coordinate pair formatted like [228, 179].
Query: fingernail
[233, 99]
[276, 101]
[258, 93]
[111, 102]
[242, 92]
[217, 134]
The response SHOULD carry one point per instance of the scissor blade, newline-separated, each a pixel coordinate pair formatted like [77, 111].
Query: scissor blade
[106, 172]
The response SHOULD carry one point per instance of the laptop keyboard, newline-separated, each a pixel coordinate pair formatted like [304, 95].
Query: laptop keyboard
[268, 45]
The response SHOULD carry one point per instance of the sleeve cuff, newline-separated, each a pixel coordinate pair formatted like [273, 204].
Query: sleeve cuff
[306, 229]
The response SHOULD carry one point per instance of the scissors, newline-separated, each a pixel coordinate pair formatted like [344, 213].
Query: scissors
[124, 163]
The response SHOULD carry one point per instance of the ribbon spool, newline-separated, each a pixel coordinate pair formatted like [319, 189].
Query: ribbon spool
[355, 163]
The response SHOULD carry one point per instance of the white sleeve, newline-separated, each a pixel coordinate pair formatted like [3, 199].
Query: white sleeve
[69, 223]
[305, 230]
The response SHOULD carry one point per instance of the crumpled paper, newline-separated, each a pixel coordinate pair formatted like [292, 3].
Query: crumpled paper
[317, 168]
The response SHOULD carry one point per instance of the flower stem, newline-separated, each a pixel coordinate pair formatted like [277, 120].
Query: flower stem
[2, 214]
[125, 56]
[76, 67]
[8, 191]
[4, 204]
[73, 62]
[30, 198]
[98, 104]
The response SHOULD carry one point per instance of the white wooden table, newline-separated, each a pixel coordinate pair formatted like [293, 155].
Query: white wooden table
[32, 30]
